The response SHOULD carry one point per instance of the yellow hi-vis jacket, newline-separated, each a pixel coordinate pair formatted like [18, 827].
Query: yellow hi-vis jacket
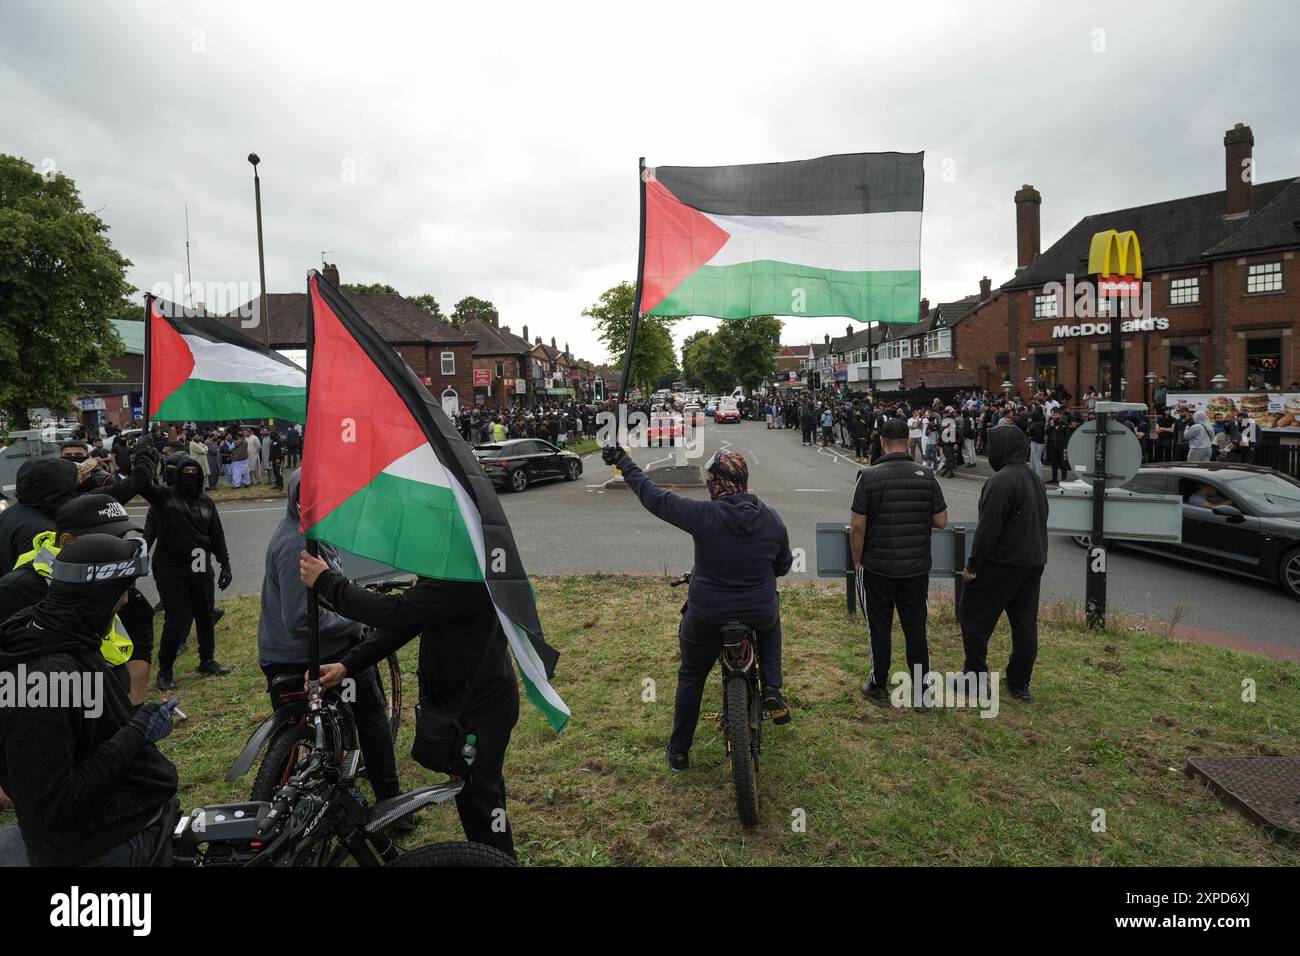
[116, 644]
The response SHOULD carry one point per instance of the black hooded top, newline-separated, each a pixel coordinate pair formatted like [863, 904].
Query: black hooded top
[81, 775]
[42, 486]
[1013, 507]
[182, 518]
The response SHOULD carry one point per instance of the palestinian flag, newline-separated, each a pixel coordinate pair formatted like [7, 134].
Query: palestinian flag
[836, 236]
[197, 369]
[386, 476]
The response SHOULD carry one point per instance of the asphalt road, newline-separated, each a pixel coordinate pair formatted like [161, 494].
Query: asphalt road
[581, 527]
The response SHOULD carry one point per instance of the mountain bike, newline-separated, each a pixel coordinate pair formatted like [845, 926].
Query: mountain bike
[742, 711]
[287, 735]
[319, 817]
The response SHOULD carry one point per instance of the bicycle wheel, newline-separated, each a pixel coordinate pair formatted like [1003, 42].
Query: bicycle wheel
[736, 709]
[755, 723]
[455, 854]
[392, 691]
[287, 750]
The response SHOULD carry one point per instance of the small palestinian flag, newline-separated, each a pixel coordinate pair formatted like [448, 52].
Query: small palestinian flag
[197, 369]
[385, 475]
[836, 236]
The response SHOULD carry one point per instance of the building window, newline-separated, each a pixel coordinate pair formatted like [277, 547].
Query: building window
[501, 369]
[1046, 370]
[1185, 291]
[1046, 306]
[1103, 370]
[938, 342]
[1264, 363]
[1185, 366]
[448, 363]
[1264, 277]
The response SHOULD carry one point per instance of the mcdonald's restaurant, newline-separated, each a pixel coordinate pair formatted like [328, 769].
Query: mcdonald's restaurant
[1216, 307]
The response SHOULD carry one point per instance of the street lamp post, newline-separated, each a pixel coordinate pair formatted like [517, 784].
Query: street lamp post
[261, 258]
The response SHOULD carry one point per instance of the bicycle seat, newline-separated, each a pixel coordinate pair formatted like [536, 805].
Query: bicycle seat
[287, 688]
[736, 632]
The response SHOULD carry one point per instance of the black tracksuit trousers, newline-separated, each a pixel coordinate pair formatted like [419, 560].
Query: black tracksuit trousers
[482, 804]
[373, 731]
[998, 588]
[879, 597]
[188, 598]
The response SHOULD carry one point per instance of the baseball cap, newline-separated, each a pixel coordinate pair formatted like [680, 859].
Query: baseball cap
[98, 514]
[893, 429]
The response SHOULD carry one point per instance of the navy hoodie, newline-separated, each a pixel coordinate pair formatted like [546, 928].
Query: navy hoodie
[741, 548]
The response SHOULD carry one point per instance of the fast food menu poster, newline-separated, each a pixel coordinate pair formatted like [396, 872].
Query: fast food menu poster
[1272, 411]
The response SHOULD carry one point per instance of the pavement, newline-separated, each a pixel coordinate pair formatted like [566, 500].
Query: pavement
[581, 527]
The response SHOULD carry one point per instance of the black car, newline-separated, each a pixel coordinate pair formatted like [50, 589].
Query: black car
[521, 462]
[1237, 518]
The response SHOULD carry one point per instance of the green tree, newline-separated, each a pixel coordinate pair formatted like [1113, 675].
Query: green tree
[61, 281]
[370, 288]
[472, 307]
[704, 364]
[750, 347]
[655, 355]
[429, 304]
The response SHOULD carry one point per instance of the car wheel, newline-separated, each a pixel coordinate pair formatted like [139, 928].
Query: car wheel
[573, 471]
[1288, 573]
[518, 480]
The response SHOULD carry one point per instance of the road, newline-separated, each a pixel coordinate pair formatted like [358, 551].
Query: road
[581, 527]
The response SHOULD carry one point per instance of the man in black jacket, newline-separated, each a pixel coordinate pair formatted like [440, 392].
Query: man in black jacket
[741, 548]
[1005, 567]
[895, 505]
[464, 670]
[189, 536]
[88, 786]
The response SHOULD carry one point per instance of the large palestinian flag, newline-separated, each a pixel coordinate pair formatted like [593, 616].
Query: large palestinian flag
[385, 475]
[836, 236]
[197, 369]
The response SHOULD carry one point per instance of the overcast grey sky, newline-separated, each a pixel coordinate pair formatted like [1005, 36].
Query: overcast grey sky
[490, 149]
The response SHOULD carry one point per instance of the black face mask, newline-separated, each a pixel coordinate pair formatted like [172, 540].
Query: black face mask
[189, 482]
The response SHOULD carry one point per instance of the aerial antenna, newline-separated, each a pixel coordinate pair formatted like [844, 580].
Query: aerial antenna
[189, 276]
[323, 254]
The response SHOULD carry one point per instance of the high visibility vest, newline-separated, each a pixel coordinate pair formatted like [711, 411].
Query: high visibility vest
[115, 646]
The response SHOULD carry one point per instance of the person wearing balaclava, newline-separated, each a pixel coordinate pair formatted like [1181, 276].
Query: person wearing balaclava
[1005, 568]
[741, 548]
[88, 785]
[187, 527]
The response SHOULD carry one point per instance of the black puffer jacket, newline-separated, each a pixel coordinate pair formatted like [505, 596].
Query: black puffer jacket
[42, 486]
[899, 499]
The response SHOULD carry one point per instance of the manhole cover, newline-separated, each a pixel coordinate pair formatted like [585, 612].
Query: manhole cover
[1266, 789]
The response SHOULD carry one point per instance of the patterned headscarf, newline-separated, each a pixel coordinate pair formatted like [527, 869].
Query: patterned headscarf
[728, 476]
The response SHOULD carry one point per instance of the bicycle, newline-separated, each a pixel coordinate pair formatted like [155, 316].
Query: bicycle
[742, 711]
[287, 735]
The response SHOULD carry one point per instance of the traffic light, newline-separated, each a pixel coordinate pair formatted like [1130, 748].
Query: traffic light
[598, 389]
[816, 381]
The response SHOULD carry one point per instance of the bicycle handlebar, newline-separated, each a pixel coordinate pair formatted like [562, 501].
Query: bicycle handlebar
[684, 579]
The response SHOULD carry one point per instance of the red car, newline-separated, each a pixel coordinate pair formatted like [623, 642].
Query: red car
[727, 413]
[664, 430]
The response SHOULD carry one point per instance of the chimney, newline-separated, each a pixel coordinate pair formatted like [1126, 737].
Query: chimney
[494, 318]
[848, 330]
[1239, 171]
[506, 329]
[986, 289]
[539, 340]
[1028, 235]
[331, 274]
[552, 341]
[566, 348]
[828, 338]
[525, 335]
[925, 308]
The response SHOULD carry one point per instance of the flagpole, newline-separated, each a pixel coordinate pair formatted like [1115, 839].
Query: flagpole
[636, 302]
[313, 603]
[148, 348]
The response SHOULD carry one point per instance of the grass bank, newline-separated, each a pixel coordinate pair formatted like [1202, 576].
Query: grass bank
[1116, 717]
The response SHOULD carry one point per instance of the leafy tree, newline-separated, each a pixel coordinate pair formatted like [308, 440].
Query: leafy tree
[370, 288]
[750, 347]
[655, 355]
[61, 281]
[429, 304]
[472, 307]
[704, 364]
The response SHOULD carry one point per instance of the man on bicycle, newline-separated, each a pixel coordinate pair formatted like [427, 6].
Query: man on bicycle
[741, 548]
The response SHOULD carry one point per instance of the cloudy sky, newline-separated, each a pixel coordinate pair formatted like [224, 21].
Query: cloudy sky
[490, 149]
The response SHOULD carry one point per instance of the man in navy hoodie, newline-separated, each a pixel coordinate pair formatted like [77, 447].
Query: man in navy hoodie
[741, 548]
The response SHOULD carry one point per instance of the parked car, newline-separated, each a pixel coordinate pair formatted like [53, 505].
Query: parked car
[727, 412]
[521, 462]
[1249, 524]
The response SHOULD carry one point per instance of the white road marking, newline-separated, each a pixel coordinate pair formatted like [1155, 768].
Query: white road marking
[814, 489]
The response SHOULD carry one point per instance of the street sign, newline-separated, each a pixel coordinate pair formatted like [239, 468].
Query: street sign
[1129, 516]
[1123, 452]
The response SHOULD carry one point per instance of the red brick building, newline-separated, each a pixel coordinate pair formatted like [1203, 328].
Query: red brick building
[502, 357]
[438, 353]
[1222, 275]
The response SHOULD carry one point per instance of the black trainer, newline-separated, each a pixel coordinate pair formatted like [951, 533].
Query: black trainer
[211, 668]
[164, 682]
[876, 694]
[678, 762]
[775, 705]
[1021, 693]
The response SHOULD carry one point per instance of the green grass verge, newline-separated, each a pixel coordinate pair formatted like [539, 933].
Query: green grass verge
[1117, 715]
[584, 447]
[260, 492]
